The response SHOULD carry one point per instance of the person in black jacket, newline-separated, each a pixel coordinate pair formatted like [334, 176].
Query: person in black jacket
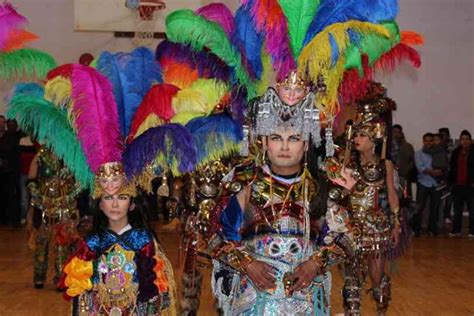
[461, 176]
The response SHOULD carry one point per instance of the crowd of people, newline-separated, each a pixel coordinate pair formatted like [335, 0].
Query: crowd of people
[443, 171]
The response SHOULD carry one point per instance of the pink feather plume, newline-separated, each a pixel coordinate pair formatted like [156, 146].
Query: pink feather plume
[219, 13]
[96, 117]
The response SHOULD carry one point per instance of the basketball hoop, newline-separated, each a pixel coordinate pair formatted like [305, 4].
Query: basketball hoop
[146, 20]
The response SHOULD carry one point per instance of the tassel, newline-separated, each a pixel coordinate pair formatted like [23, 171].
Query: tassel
[244, 145]
[164, 189]
[329, 142]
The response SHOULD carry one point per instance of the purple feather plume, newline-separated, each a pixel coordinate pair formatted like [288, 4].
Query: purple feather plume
[96, 118]
[219, 13]
[174, 141]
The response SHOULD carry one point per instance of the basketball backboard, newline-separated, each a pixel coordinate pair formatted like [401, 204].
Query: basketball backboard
[114, 16]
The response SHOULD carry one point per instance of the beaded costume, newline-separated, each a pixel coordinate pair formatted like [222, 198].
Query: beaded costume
[55, 217]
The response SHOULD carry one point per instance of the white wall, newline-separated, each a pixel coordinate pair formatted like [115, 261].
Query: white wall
[438, 94]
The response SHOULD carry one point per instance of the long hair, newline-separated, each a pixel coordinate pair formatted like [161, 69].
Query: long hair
[136, 217]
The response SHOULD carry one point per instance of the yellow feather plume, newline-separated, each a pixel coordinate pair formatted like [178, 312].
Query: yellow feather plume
[58, 91]
[184, 117]
[268, 74]
[201, 97]
[151, 121]
[315, 58]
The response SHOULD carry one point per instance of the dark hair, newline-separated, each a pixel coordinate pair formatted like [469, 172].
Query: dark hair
[428, 135]
[350, 122]
[444, 130]
[136, 218]
[465, 132]
[437, 135]
[397, 126]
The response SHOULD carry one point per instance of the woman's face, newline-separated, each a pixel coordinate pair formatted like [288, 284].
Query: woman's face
[362, 142]
[115, 207]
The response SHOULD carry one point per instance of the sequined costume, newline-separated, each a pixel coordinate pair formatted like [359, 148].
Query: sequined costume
[370, 215]
[126, 274]
[53, 197]
[280, 229]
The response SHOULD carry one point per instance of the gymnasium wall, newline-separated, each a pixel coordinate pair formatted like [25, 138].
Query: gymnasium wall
[438, 94]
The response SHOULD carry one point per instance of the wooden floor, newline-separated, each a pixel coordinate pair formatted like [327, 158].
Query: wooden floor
[435, 277]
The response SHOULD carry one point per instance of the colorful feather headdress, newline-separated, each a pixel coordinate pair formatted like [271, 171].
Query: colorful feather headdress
[326, 40]
[17, 62]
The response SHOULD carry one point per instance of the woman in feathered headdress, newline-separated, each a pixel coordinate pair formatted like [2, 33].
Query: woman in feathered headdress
[119, 267]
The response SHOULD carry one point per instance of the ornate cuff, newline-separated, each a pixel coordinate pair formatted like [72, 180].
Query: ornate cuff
[396, 217]
[236, 258]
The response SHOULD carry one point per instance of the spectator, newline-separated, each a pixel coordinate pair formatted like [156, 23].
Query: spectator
[10, 172]
[440, 159]
[403, 157]
[426, 187]
[27, 153]
[448, 200]
[461, 176]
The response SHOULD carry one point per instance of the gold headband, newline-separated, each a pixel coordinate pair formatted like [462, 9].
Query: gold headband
[110, 169]
[375, 131]
[293, 80]
[107, 171]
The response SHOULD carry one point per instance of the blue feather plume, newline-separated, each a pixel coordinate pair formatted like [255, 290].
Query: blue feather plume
[131, 75]
[173, 142]
[335, 11]
[215, 136]
[249, 41]
[31, 88]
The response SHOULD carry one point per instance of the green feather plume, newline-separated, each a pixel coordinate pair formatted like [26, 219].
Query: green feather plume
[50, 126]
[299, 14]
[25, 64]
[372, 45]
[184, 26]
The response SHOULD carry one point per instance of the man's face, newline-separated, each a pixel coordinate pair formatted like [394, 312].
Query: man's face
[444, 136]
[427, 142]
[437, 140]
[291, 94]
[285, 149]
[12, 126]
[3, 124]
[465, 141]
[397, 133]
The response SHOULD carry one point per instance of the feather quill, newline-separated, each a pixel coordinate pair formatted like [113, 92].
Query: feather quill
[95, 114]
[184, 26]
[51, 127]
